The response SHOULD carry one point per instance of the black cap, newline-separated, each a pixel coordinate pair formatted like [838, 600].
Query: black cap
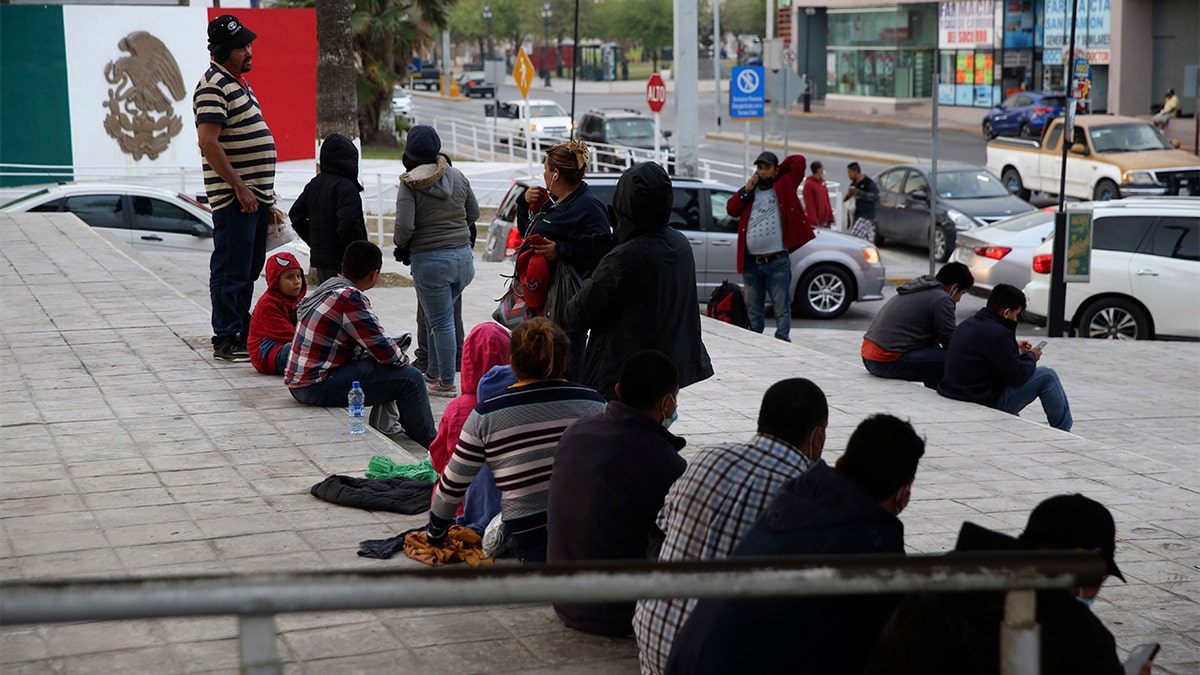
[227, 31]
[767, 158]
[1073, 521]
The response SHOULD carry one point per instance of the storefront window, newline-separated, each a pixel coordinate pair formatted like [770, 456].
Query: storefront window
[882, 51]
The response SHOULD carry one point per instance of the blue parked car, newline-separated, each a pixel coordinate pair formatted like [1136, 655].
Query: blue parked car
[1024, 114]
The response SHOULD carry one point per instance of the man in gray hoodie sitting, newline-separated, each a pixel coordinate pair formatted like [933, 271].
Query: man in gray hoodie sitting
[908, 338]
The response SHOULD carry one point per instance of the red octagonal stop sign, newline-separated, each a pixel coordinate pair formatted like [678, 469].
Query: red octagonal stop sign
[656, 92]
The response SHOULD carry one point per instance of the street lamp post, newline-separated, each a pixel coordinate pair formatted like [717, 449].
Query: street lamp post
[487, 16]
[808, 85]
[546, 41]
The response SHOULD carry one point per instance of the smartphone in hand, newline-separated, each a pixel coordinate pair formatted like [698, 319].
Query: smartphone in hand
[1139, 656]
[1040, 345]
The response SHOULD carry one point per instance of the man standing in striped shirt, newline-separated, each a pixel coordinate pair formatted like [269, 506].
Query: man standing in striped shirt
[720, 495]
[239, 177]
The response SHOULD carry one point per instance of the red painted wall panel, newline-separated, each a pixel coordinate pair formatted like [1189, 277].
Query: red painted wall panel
[285, 74]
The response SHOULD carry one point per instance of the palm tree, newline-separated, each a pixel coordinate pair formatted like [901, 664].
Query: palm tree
[337, 100]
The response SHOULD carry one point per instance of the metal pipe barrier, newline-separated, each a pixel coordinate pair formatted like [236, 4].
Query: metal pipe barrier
[255, 599]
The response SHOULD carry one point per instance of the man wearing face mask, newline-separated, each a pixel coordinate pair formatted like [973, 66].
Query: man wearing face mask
[848, 510]
[611, 472]
[771, 224]
[642, 294]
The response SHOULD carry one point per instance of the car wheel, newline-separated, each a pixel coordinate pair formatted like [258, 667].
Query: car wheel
[1026, 130]
[1106, 190]
[1012, 182]
[989, 131]
[824, 292]
[1114, 319]
[941, 247]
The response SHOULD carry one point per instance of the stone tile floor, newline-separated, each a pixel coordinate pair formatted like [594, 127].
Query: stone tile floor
[127, 450]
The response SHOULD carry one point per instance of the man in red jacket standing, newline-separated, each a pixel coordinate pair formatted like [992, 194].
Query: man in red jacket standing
[816, 198]
[771, 225]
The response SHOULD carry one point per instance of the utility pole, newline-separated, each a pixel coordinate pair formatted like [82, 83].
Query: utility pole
[1058, 264]
[687, 81]
[717, 58]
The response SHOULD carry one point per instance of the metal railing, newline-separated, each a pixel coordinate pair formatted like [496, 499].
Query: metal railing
[255, 599]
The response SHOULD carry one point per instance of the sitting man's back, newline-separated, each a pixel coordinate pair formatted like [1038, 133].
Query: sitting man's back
[850, 509]
[908, 337]
[986, 364]
[339, 341]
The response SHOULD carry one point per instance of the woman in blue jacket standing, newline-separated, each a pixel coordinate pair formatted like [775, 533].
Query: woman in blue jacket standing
[572, 224]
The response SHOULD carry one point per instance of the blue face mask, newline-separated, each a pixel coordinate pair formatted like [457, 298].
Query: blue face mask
[1086, 601]
[671, 420]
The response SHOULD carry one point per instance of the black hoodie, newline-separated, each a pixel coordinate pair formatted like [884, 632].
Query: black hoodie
[642, 295]
[329, 213]
[823, 512]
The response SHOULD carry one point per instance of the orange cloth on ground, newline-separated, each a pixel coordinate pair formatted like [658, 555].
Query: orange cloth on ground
[462, 545]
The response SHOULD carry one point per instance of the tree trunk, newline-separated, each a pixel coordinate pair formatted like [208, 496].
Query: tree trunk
[337, 102]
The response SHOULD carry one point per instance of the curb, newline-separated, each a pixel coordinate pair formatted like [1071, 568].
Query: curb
[825, 150]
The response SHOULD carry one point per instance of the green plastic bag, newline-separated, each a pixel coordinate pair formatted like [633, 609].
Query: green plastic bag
[383, 467]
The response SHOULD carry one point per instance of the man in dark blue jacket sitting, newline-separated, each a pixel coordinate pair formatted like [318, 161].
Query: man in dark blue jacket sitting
[986, 364]
[850, 509]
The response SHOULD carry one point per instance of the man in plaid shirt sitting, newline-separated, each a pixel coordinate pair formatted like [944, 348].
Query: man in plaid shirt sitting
[339, 341]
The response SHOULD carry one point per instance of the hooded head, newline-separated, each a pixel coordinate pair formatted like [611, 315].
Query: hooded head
[642, 201]
[340, 157]
[486, 346]
[279, 263]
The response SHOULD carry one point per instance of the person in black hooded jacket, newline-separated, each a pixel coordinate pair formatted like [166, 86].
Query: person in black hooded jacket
[329, 213]
[850, 509]
[642, 294]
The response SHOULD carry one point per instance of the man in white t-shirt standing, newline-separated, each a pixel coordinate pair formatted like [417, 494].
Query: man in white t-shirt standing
[771, 224]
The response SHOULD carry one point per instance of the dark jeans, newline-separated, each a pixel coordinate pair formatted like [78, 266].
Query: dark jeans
[1044, 385]
[239, 251]
[927, 364]
[771, 279]
[381, 384]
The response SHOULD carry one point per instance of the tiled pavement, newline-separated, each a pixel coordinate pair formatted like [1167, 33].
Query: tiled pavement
[126, 450]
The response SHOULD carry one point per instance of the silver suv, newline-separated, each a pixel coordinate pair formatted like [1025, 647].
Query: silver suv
[828, 273]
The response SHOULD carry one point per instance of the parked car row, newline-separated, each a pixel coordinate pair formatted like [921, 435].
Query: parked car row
[828, 274]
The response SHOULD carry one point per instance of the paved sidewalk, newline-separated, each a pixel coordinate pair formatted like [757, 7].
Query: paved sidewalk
[128, 451]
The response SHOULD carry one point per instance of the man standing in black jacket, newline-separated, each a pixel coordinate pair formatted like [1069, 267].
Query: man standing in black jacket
[851, 509]
[642, 295]
[328, 215]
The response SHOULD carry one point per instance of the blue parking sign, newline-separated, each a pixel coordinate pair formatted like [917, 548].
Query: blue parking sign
[415, 66]
[747, 93]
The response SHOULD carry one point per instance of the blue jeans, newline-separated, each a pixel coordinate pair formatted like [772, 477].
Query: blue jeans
[381, 383]
[239, 251]
[772, 278]
[440, 277]
[926, 364]
[1043, 384]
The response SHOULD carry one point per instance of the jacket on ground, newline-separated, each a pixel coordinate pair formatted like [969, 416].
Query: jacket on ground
[611, 473]
[273, 324]
[983, 359]
[642, 295]
[823, 512]
[921, 315]
[328, 215]
[797, 231]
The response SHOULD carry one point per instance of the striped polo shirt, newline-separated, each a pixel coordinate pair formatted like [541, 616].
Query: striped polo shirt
[247, 141]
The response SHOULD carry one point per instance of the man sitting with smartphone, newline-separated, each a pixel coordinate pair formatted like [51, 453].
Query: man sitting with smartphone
[986, 364]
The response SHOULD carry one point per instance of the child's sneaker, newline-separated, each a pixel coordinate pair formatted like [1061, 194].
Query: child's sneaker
[443, 390]
[228, 351]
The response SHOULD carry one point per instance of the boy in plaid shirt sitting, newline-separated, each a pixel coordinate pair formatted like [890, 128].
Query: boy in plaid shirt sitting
[339, 341]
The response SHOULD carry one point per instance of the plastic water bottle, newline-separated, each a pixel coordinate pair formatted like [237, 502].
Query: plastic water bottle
[358, 420]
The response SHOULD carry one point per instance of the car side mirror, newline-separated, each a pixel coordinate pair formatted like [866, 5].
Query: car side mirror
[667, 134]
[920, 195]
[1079, 149]
[201, 230]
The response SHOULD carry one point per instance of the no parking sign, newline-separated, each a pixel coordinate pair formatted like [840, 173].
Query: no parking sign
[747, 93]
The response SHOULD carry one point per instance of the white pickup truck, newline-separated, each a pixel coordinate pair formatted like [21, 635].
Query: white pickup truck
[1110, 157]
[541, 120]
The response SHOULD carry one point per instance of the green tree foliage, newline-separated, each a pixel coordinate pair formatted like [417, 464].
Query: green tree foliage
[649, 23]
[744, 17]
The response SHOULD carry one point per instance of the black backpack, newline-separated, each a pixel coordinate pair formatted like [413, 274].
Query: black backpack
[729, 305]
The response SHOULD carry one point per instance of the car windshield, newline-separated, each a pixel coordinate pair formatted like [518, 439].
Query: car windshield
[1056, 101]
[969, 184]
[18, 200]
[399, 92]
[551, 110]
[633, 129]
[1128, 138]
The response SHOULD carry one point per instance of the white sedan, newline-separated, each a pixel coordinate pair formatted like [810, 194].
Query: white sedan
[146, 218]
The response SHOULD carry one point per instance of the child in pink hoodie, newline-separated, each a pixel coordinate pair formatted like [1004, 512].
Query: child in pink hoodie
[273, 324]
[486, 346]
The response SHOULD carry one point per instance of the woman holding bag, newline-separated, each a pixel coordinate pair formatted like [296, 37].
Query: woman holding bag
[565, 224]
